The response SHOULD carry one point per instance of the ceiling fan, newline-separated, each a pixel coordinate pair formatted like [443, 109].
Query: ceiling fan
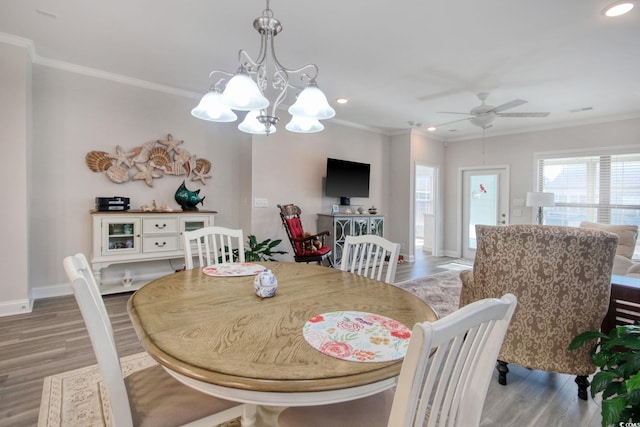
[483, 115]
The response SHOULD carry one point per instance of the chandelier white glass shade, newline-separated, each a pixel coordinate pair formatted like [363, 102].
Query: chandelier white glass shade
[213, 109]
[304, 125]
[312, 103]
[243, 94]
[252, 124]
[260, 86]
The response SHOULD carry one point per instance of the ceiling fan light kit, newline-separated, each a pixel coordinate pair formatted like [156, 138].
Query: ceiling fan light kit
[250, 88]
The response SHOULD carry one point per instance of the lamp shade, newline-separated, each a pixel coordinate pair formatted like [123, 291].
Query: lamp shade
[304, 125]
[312, 103]
[250, 124]
[540, 199]
[213, 109]
[243, 94]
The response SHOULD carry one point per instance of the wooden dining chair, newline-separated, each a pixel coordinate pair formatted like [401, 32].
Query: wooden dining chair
[444, 378]
[149, 397]
[213, 245]
[369, 256]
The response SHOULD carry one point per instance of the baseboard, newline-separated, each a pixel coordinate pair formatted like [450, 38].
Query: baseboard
[452, 254]
[407, 258]
[10, 308]
[51, 291]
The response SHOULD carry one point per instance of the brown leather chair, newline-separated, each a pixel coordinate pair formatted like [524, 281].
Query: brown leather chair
[303, 249]
[562, 279]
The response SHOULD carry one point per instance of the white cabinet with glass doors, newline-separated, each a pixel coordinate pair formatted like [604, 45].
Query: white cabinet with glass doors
[136, 236]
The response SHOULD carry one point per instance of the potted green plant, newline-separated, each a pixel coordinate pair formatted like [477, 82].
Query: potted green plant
[257, 251]
[618, 357]
[261, 251]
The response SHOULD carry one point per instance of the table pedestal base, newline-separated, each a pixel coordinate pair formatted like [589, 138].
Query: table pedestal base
[267, 416]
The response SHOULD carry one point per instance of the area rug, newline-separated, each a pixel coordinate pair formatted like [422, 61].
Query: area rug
[457, 266]
[441, 290]
[78, 398]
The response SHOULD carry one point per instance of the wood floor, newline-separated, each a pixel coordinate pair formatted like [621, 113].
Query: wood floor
[53, 339]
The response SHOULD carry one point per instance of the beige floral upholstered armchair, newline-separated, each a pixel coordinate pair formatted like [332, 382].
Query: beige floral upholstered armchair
[562, 279]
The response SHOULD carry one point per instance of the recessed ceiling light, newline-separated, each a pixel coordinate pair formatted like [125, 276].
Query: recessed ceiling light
[431, 128]
[342, 100]
[618, 8]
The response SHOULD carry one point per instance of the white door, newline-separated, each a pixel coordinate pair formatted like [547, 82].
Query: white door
[485, 200]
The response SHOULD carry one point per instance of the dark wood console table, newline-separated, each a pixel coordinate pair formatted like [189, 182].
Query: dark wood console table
[624, 303]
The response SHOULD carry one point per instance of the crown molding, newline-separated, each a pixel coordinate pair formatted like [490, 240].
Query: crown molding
[118, 78]
[92, 72]
[19, 41]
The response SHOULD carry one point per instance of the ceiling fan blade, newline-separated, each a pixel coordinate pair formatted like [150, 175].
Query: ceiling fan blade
[523, 114]
[454, 121]
[453, 112]
[508, 105]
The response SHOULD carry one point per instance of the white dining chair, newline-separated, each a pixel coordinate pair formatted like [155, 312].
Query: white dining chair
[149, 397]
[444, 378]
[213, 245]
[368, 255]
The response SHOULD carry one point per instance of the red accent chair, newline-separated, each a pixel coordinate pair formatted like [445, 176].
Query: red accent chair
[302, 252]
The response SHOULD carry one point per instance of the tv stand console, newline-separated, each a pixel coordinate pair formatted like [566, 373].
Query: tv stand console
[343, 225]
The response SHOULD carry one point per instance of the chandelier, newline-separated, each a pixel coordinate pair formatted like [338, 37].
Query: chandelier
[248, 88]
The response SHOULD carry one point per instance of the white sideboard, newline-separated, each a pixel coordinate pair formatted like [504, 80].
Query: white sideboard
[135, 236]
[343, 225]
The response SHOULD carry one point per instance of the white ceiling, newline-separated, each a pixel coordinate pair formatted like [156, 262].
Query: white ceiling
[396, 62]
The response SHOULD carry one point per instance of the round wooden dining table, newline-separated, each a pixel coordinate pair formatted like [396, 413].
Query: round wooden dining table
[216, 335]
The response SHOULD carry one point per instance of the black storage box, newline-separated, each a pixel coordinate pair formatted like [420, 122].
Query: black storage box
[112, 203]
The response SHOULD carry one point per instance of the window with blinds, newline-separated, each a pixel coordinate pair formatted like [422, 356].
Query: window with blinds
[597, 188]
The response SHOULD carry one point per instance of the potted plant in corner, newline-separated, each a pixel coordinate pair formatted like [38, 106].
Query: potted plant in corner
[262, 251]
[618, 357]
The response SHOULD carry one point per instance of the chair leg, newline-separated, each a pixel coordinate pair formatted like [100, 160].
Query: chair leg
[583, 385]
[502, 372]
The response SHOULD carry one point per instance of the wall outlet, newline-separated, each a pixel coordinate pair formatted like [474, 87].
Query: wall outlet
[260, 203]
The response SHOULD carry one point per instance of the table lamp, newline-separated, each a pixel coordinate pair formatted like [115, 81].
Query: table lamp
[539, 200]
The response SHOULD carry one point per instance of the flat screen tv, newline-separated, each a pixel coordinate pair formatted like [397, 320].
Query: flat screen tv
[347, 179]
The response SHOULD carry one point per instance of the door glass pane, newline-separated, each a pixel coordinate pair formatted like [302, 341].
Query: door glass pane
[483, 204]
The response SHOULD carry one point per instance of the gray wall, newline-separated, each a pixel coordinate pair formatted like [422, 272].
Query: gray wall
[518, 152]
[15, 122]
[74, 113]
[52, 118]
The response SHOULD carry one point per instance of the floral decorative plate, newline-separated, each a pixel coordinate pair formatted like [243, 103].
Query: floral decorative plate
[227, 269]
[357, 336]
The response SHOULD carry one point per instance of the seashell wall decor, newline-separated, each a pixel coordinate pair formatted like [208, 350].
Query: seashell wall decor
[98, 161]
[152, 160]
